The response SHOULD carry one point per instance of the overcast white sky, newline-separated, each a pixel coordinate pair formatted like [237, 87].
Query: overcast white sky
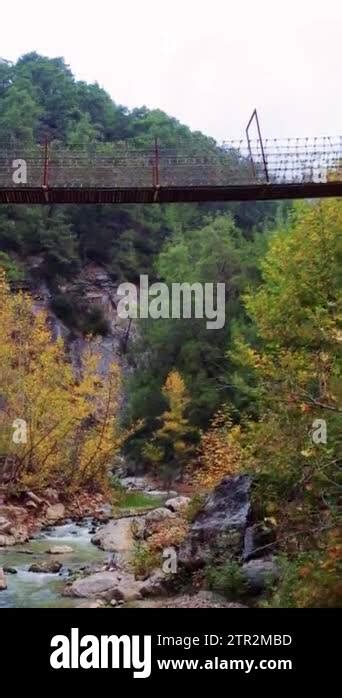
[206, 62]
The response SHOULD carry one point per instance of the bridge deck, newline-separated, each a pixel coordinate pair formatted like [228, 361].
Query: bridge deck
[150, 195]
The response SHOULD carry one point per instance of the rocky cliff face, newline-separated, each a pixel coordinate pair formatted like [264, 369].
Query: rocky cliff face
[96, 289]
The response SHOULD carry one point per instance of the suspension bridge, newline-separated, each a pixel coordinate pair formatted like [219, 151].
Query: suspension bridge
[126, 172]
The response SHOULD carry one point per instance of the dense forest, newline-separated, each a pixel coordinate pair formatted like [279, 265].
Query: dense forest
[258, 396]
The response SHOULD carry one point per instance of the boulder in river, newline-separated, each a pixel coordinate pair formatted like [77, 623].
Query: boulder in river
[49, 567]
[116, 536]
[60, 550]
[119, 585]
[217, 532]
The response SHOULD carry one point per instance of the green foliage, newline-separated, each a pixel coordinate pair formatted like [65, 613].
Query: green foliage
[172, 441]
[293, 369]
[195, 505]
[13, 270]
[40, 98]
[227, 579]
[144, 560]
[76, 315]
[135, 500]
[217, 252]
[311, 579]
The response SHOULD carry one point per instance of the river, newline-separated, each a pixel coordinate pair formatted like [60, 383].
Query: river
[35, 590]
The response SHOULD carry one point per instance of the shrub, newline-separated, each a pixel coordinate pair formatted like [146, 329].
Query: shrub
[195, 505]
[169, 533]
[227, 579]
[14, 271]
[219, 450]
[311, 580]
[144, 560]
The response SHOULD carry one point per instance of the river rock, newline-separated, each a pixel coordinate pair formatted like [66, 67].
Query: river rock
[260, 574]
[10, 570]
[20, 533]
[51, 567]
[55, 512]
[60, 550]
[177, 503]
[3, 583]
[135, 483]
[117, 585]
[154, 517]
[13, 529]
[155, 584]
[6, 540]
[217, 532]
[116, 536]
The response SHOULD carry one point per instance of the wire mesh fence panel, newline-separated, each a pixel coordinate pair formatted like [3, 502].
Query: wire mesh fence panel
[130, 165]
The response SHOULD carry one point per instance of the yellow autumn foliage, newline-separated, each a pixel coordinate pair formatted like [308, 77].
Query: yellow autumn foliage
[172, 441]
[219, 452]
[71, 427]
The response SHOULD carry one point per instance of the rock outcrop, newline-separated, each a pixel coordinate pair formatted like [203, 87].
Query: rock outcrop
[217, 532]
[260, 574]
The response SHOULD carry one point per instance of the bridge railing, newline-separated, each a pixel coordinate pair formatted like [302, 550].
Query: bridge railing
[125, 165]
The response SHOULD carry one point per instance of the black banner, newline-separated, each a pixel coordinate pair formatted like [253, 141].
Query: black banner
[165, 652]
